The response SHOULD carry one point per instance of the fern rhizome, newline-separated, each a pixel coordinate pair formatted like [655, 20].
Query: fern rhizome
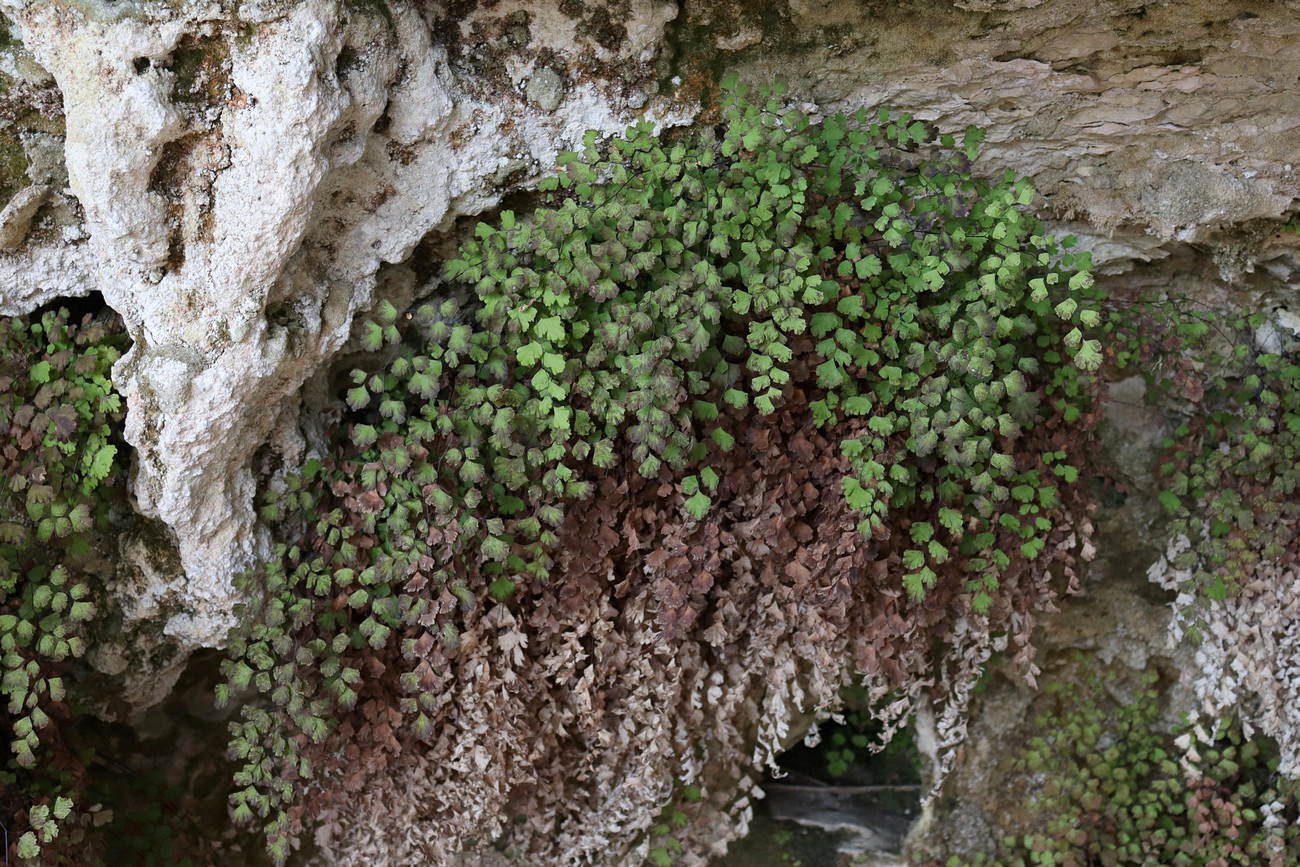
[731, 420]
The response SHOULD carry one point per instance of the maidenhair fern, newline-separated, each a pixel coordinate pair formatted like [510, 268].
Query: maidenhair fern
[661, 283]
[59, 421]
[1228, 470]
[1112, 785]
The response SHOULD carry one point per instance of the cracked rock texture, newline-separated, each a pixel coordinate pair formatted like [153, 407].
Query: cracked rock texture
[242, 180]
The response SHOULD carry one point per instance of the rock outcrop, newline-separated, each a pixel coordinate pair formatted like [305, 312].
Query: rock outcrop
[242, 181]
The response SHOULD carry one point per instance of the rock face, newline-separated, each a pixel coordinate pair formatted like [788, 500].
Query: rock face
[242, 180]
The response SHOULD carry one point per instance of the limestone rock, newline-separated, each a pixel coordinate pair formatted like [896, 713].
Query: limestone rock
[545, 89]
[1176, 121]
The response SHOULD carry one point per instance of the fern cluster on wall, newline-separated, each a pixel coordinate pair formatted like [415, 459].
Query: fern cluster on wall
[728, 422]
[1112, 783]
[1227, 476]
[60, 471]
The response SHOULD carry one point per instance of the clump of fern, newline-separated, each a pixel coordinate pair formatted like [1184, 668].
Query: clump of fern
[60, 464]
[662, 287]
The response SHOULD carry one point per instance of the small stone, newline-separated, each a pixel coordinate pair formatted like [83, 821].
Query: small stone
[44, 154]
[16, 218]
[1288, 319]
[742, 37]
[19, 63]
[545, 89]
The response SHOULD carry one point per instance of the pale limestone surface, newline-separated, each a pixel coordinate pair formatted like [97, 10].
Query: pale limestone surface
[1172, 119]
